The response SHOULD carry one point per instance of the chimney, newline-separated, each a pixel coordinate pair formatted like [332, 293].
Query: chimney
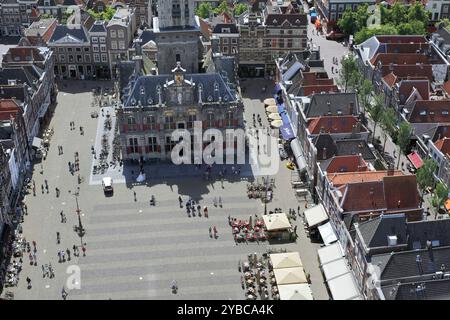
[324, 153]
[351, 107]
[419, 263]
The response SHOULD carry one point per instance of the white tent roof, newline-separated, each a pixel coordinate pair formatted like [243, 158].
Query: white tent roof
[335, 269]
[285, 260]
[107, 181]
[290, 275]
[37, 142]
[344, 287]
[330, 253]
[269, 101]
[276, 221]
[297, 291]
[327, 233]
[272, 108]
[315, 215]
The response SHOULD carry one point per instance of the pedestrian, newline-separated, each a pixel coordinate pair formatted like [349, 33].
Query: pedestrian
[34, 243]
[26, 209]
[58, 239]
[205, 211]
[63, 294]
[62, 152]
[42, 188]
[30, 256]
[63, 256]
[180, 201]
[29, 282]
[57, 192]
[210, 232]
[306, 205]
[83, 248]
[332, 69]
[35, 259]
[295, 229]
[43, 271]
[134, 192]
[74, 250]
[62, 216]
[229, 220]
[68, 254]
[70, 165]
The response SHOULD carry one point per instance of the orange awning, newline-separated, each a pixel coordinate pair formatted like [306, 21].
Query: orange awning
[415, 159]
[447, 204]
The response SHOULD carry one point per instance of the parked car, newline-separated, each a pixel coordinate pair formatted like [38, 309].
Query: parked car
[335, 35]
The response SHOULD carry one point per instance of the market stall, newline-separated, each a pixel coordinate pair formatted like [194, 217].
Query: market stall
[314, 217]
[344, 287]
[327, 233]
[290, 275]
[269, 101]
[297, 291]
[272, 109]
[285, 260]
[277, 225]
[330, 253]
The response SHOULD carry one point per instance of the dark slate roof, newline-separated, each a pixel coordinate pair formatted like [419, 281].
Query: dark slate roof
[421, 231]
[375, 231]
[126, 69]
[98, 26]
[218, 28]
[150, 83]
[68, 35]
[147, 36]
[322, 141]
[41, 3]
[354, 146]
[26, 74]
[339, 104]
[17, 92]
[404, 264]
[433, 290]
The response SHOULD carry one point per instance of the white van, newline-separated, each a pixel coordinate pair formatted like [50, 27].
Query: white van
[107, 183]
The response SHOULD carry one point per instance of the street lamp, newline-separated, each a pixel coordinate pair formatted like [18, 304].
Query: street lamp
[79, 229]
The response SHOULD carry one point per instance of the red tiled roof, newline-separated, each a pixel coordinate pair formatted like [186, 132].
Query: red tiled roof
[8, 108]
[309, 90]
[364, 196]
[351, 163]
[399, 58]
[430, 111]
[401, 192]
[312, 78]
[333, 124]
[446, 87]
[443, 145]
[408, 70]
[402, 39]
[406, 87]
[356, 177]
[392, 193]
[24, 54]
[390, 79]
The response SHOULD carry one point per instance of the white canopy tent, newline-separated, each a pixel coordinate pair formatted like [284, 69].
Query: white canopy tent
[37, 142]
[272, 109]
[290, 275]
[285, 260]
[269, 101]
[315, 215]
[276, 221]
[330, 253]
[274, 116]
[327, 233]
[335, 269]
[344, 287]
[276, 123]
[297, 291]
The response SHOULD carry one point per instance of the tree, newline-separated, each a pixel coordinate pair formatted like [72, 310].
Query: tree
[347, 23]
[239, 9]
[366, 33]
[403, 139]
[398, 14]
[425, 177]
[221, 8]
[348, 76]
[417, 12]
[204, 10]
[376, 112]
[364, 90]
[388, 121]
[439, 197]
[104, 15]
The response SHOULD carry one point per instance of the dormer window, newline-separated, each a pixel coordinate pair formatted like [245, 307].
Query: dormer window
[225, 30]
[423, 113]
[445, 113]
